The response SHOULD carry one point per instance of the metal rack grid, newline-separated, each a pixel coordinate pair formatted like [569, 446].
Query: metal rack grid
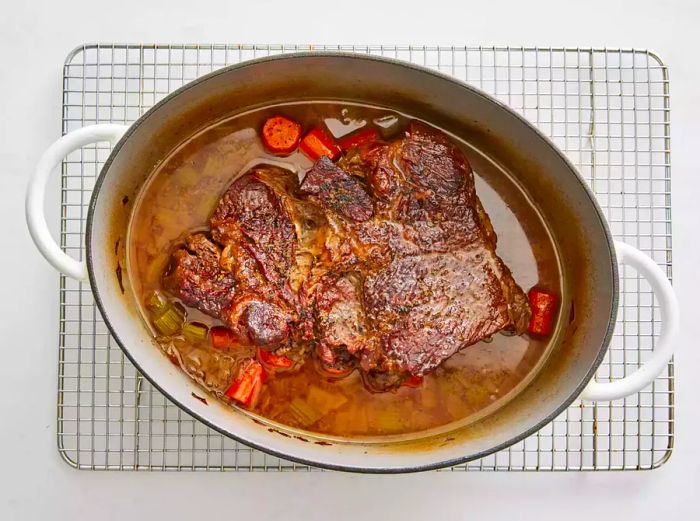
[607, 109]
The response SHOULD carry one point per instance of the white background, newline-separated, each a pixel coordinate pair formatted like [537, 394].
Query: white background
[35, 483]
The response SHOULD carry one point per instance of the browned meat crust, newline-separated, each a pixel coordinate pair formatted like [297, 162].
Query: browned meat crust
[197, 277]
[337, 191]
[386, 260]
[246, 284]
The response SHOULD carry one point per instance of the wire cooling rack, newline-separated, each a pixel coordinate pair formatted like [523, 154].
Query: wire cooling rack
[607, 109]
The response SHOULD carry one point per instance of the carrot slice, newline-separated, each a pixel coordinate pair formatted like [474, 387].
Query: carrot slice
[544, 307]
[281, 135]
[274, 361]
[368, 135]
[318, 143]
[221, 337]
[246, 388]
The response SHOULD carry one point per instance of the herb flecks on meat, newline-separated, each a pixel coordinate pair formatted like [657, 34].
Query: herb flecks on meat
[385, 262]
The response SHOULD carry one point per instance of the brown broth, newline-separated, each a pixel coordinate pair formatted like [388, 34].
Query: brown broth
[183, 191]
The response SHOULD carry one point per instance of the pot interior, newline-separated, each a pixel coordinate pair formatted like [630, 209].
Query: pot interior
[501, 140]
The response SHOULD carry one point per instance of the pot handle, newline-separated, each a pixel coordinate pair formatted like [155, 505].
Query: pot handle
[670, 326]
[34, 201]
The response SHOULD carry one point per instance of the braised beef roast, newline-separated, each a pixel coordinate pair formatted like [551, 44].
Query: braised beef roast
[385, 261]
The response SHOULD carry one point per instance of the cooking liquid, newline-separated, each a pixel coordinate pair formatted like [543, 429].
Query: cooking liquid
[184, 189]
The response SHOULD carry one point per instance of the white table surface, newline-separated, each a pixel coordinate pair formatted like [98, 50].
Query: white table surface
[35, 483]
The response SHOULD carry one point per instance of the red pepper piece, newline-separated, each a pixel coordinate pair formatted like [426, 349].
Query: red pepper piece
[368, 135]
[318, 143]
[412, 381]
[281, 135]
[245, 389]
[274, 361]
[544, 307]
[221, 337]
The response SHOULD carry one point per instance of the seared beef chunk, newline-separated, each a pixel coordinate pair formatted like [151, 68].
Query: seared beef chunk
[386, 261]
[264, 323]
[456, 291]
[338, 191]
[429, 306]
[379, 381]
[196, 277]
[251, 215]
[340, 321]
[335, 362]
[245, 285]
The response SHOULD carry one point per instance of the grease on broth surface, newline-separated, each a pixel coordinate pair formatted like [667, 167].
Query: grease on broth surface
[179, 198]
